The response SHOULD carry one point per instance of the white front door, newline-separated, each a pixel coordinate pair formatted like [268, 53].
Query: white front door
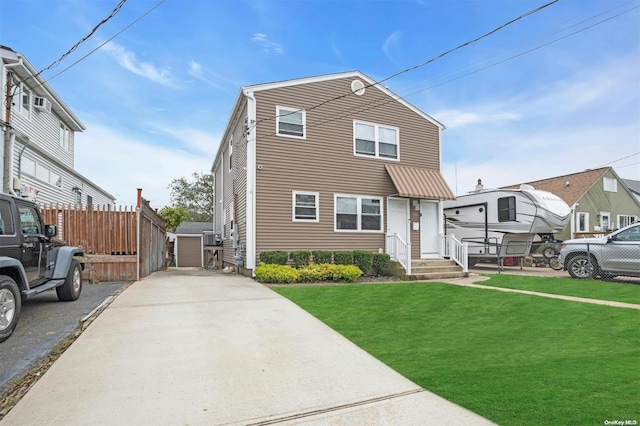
[429, 239]
[398, 218]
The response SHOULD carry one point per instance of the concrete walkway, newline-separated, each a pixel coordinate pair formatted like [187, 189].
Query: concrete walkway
[202, 348]
[473, 279]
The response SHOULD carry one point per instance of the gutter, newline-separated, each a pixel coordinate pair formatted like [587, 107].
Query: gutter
[250, 252]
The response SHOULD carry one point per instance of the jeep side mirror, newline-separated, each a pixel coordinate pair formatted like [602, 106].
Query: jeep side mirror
[50, 230]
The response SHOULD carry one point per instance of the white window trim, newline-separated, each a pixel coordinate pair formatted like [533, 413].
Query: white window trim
[231, 153]
[359, 213]
[376, 128]
[49, 171]
[586, 221]
[633, 218]
[612, 181]
[291, 110]
[25, 112]
[602, 216]
[293, 206]
[65, 136]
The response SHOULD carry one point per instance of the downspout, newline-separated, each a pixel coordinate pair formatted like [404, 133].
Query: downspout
[251, 182]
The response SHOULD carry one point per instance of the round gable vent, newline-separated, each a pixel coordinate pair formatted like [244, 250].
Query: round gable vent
[357, 87]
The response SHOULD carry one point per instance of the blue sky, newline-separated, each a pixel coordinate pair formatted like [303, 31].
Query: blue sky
[156, 98]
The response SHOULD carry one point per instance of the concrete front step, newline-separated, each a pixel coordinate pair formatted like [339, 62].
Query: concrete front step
[435, 269]
[433, 276]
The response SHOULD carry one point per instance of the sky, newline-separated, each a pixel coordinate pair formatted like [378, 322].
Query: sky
[553, 93]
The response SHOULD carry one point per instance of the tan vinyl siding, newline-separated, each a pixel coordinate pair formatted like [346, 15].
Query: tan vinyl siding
[324, 162]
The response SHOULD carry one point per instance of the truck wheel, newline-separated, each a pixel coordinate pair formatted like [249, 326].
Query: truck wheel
[582, 266]
[72, 286]
[10, 306]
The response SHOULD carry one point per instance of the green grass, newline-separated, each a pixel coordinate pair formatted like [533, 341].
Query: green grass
[515, 359]
[593, 289]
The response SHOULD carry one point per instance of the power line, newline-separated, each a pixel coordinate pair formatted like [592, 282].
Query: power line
[85, 38]
[470, 42]
[385, 99]
[108, 40]
[619, 159]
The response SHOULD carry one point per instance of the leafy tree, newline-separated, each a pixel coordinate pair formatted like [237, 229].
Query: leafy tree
[194, 196]
[174, 216]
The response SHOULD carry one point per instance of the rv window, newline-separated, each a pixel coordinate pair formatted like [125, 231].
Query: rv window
[506, 209]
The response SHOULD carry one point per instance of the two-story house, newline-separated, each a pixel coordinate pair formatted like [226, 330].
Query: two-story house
[332, 162]
[599, 199]
[37, 135]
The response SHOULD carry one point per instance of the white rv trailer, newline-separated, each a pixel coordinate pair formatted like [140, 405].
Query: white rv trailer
[499, 223]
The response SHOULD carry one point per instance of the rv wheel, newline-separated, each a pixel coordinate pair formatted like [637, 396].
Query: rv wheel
[550, 252]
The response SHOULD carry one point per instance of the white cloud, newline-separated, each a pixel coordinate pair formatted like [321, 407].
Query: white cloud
[128, 60]
[207, 76]
[390, 43]
[457, 118]
[267, 45]
[120, 164]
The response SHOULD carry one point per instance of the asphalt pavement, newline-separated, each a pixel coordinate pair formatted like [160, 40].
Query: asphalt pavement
[207, 348]
[44, 323]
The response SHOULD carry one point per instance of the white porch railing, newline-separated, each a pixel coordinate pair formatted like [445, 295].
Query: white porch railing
[456, 251]
[400, 251]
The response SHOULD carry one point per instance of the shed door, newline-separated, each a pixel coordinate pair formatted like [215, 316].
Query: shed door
[189, 251]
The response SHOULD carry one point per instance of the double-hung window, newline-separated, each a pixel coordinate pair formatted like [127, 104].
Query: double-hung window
[64, 137]
[25, 106]
[358, 213]
[305, 207]
[291, 122]
[374, 140]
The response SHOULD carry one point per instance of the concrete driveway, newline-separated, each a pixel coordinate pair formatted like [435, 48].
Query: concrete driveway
[201, 347]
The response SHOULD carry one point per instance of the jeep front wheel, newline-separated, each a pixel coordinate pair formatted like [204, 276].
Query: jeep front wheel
[581, 266]
[10, 305]
[72, 286]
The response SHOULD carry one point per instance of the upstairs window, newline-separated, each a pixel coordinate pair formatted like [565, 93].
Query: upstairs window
[25, 106]
[64, 137]
[610, 185]
[506, 209]
[291, 122]
[374, 140]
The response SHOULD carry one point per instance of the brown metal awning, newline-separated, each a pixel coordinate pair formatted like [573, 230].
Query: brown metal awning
[413, 182]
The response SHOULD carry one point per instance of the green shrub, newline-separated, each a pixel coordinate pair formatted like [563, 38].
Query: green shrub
[343, 257]
[381, 264]
[276, 274]
[363, 259]
[301, 258]
[316, 272]
[320, 256]
[346, 273]
[274, 257]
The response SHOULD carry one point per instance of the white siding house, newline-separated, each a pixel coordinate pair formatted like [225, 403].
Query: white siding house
[37, 139]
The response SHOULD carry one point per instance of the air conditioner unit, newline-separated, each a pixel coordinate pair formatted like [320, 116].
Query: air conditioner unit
[43, 104]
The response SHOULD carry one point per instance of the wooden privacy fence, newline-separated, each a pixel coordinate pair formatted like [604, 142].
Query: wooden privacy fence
[120, 244]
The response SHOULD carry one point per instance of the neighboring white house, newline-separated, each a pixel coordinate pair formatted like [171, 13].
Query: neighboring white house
[37, 132]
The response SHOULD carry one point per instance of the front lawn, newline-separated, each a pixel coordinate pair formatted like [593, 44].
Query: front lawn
[593, 289]
[515, 359]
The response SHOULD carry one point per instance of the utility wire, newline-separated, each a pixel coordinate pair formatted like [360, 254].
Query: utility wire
[619, 159]
[470, 42]
[85, 38]
[383, 100]
[108, 40]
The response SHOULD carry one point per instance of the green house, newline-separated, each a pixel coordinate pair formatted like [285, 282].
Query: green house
[599, 199]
